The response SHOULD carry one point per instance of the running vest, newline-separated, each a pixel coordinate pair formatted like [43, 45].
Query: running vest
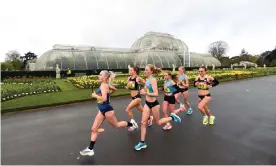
[148, 87]
[182, 80]
[168, 87]
[99, 93]
[202, 84]
[133, 84]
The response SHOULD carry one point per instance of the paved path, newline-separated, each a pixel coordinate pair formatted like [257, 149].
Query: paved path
[245, 132]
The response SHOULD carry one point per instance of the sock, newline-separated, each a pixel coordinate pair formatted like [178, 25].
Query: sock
[172, 117]
[91, 146]
[142, 141]
[129, 124]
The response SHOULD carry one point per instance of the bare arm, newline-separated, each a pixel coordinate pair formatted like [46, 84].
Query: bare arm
[112, 89]
[140, 80]
[187, 81]
[154, 88]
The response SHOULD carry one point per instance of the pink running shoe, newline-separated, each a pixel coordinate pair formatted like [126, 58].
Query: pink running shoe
[150, 121]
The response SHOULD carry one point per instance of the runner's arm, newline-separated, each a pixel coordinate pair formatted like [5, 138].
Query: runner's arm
[154, 88]
[187, 81]
[112, 89]
[177, 89]
[214, 80]
[195, 82]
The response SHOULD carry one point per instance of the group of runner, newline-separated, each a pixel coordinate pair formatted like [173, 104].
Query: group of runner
[174, 87]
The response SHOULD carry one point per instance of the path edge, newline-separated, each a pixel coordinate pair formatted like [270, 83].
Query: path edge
[61, 104]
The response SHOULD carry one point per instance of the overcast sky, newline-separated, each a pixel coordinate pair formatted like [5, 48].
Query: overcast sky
[36, 25]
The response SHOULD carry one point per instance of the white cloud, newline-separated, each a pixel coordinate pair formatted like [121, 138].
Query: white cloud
[32, 25]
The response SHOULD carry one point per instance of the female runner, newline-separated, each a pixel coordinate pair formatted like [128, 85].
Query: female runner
[202, 82]
[133, 85]
[105, 112]
[152, 105]
[183, 83]
[170, 89]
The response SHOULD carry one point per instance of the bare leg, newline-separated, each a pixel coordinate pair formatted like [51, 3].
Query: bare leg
[94, 134]
[203, 103]
[97, 122]
[131, 105]
[207, 111]
[165, 114]
[145, 117]
[156, 116]
[177, 97]
[186, 94]
[111, 118]
[201, 107]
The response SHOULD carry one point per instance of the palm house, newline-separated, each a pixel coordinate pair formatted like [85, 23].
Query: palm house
[160, 49]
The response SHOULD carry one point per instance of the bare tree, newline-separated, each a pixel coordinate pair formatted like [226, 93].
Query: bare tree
[12, 56]
[218, 49]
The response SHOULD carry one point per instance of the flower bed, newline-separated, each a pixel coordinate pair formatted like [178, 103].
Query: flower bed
[25, 80]
[14, 88]
[88, 82]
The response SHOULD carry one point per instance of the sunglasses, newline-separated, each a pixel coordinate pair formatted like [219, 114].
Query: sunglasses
[201, 71]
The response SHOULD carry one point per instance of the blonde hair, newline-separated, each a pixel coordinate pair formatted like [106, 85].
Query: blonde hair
[110, 75]
[155, 70]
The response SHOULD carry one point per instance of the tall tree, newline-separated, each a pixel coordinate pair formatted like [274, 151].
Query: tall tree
[13, 57]
[218, 49]
[29, 56]
[244, 56]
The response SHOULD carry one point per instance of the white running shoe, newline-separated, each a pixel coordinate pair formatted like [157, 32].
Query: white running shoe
[134, 124]
[87, 152]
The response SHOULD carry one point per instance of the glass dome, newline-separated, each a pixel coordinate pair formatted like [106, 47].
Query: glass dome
[159, 41]
[160, 59]
[198, 59]
[82, 60]
[160, 49]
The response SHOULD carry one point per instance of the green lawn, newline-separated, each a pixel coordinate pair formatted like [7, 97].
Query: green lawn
[65, 86]
[51, 99]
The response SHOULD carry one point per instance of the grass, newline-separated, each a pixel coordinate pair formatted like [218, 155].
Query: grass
[65, 86]
[69, 94]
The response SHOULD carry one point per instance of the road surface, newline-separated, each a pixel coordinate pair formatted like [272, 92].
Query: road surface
[245, 132]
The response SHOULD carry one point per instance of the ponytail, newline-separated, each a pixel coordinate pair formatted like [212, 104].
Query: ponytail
[112, 75]
[173, 76]
[156, 71]
[136, 69]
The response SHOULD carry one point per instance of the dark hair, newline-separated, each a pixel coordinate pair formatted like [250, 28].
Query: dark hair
[154, 69]
[203, 67]
[136, 69]
[172, 75]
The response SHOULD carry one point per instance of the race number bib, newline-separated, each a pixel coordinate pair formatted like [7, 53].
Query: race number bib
[166, 89]
[202, 86]
[131, 84]
[147, 89]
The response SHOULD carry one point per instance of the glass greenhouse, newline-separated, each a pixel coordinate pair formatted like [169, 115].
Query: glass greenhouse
[159, 49]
